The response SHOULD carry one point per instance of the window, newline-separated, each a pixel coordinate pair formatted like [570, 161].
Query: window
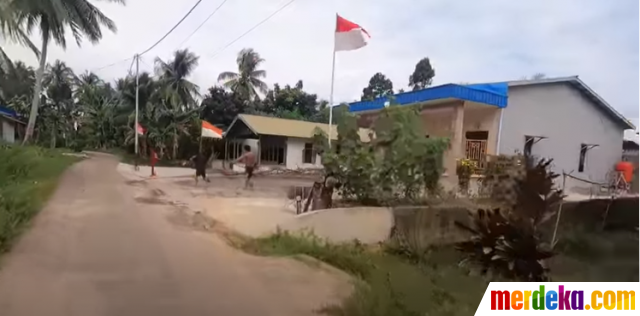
[272, 154]
[583, 157]
[308, 154]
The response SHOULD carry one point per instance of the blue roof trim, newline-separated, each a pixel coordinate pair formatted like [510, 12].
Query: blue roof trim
[495, 94]
[8, 112]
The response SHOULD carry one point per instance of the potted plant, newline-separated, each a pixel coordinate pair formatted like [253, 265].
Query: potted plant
[464, 169]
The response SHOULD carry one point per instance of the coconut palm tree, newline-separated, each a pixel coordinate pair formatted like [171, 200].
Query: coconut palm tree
[52, 18]
[173, 78]
[59, 107]
[247, 81]
[17, 82]
[10, 30]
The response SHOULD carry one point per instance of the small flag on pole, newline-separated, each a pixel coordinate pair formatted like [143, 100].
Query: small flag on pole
[208, 130]
[139, 129]
[349, 36]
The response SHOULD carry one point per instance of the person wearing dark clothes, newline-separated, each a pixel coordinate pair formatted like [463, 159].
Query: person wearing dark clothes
[200, 162]
[250, 162]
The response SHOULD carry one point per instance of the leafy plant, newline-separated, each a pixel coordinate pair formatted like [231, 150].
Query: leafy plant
[464, 169]
[505, 246]
[397, 164]
[508, 244]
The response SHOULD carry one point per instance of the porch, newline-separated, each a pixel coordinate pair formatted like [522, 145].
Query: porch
[469, 116]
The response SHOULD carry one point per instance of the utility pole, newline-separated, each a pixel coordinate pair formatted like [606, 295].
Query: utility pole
[137, 61]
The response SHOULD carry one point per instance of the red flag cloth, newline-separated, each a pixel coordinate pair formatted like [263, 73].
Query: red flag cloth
[139, 129]
[349, 35]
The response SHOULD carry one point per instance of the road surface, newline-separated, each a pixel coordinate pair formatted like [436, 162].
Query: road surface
[95, 250]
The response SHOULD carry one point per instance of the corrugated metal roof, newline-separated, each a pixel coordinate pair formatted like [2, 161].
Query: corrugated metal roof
[584, 89]
[492, 94]
[10, 115]
[264, 125]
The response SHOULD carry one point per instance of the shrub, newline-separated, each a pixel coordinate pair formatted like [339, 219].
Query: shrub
[508, 244]
[399, 163]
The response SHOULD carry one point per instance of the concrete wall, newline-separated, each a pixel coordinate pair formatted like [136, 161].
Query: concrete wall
[295, 147]
[8, 132]
[568, 119]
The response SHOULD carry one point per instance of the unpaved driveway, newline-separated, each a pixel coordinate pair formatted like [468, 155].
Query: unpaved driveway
[96, 250]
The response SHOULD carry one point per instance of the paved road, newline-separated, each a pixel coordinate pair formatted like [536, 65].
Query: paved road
[95, 250]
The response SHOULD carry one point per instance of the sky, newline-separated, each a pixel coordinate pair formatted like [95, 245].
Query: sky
[466, 41]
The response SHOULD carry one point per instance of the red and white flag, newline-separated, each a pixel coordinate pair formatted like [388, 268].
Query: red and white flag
[139, 129]
[209, 130]
[349, 36]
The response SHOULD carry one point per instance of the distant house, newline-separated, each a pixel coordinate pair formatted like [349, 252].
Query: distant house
[10, 124]
[281, 143]
[559, 118]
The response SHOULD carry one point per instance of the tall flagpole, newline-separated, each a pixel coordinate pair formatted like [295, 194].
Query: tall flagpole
[137, 61]
[333, 76]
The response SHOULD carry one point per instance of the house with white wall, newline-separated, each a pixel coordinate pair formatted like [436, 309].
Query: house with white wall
[558, 118]
[280, 143]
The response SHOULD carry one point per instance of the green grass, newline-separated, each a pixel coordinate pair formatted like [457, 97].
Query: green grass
[28, 176]
[391, 286]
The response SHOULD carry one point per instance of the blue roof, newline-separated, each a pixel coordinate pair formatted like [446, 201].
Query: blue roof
[495, 94]
[8, 112]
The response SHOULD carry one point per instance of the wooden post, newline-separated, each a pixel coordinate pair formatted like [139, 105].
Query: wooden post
[226, 153]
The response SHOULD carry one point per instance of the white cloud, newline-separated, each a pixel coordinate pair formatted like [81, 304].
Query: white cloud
[467, 41]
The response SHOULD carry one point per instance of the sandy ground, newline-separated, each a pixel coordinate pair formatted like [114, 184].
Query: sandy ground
[105, 245]
[265, 208]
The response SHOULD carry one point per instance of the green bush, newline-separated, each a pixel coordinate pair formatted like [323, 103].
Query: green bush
[399, 164]
[27, 177]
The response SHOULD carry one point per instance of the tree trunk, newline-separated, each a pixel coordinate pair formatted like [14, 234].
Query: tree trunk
[175, 146]
[52, 143]
[35, 102]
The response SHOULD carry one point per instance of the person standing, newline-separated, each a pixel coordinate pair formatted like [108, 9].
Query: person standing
[200, 162]
[154, 160]
[250, 163]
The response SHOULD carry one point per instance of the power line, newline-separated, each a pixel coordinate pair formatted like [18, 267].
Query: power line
[251, 29]
[111, 65]
[172, 29]
[203, 22]
[132, 62]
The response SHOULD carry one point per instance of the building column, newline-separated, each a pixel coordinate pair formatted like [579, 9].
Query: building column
[456, 147]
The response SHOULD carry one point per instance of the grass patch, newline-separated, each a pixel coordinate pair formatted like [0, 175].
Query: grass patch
[392, 286]
[28, 176]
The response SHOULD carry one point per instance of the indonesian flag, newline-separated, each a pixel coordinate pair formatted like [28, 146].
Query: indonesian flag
[349, 36]
[208, 130]
[139, 129]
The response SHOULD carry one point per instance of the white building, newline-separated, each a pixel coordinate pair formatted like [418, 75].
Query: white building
[281, 143]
